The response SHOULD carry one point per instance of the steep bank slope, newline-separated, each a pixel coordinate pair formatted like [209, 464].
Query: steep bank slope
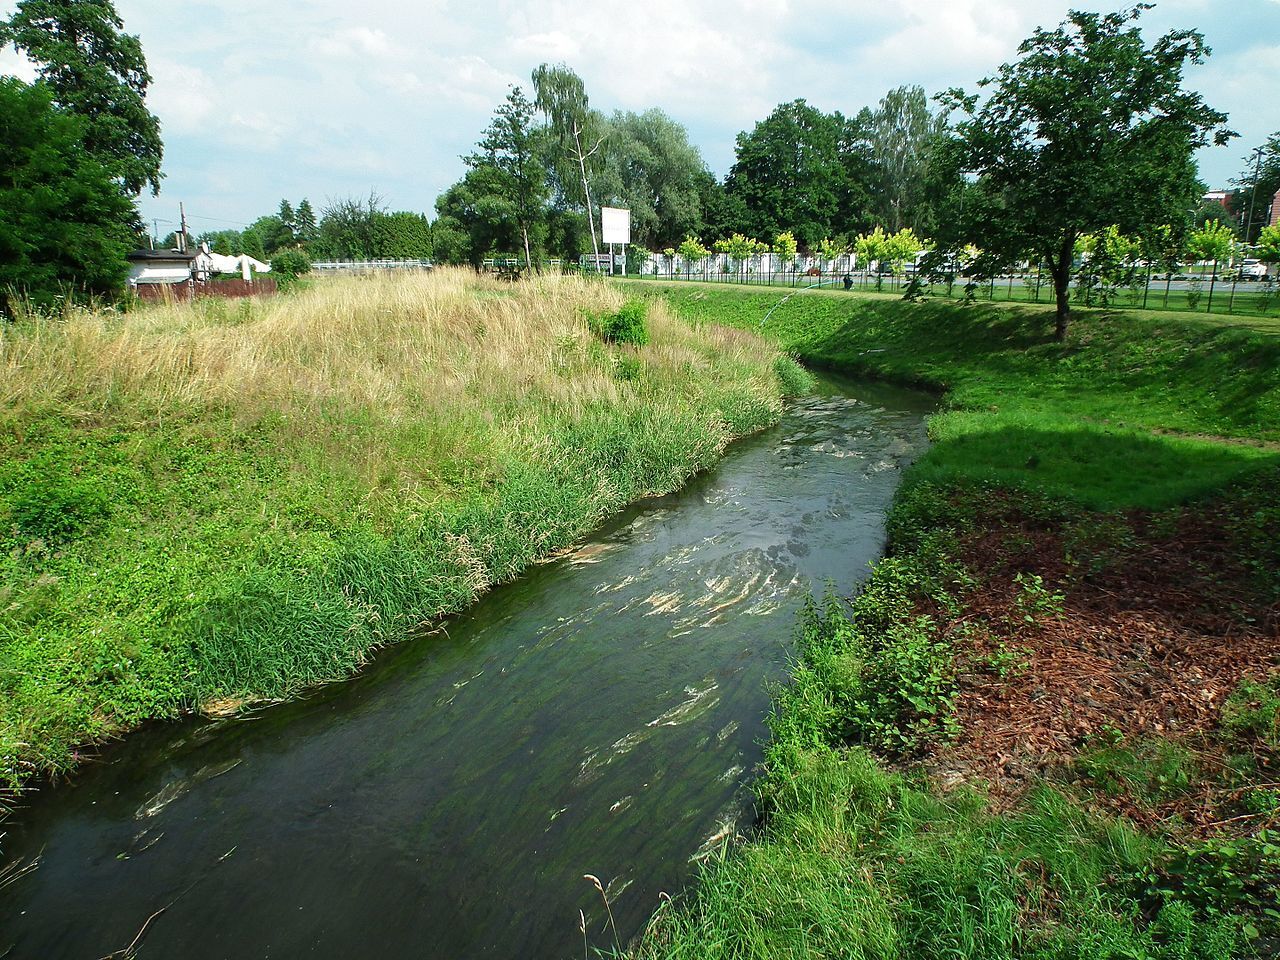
[211, 503]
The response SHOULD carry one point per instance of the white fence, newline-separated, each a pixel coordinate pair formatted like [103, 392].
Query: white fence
[368, 265]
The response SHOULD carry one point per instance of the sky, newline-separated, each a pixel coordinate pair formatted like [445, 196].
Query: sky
[327, 99]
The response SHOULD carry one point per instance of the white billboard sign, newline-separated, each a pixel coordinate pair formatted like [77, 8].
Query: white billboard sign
[615, 225]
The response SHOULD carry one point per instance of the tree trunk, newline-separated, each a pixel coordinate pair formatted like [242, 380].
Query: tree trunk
[1060, 268]
[586, 191]
[528, 260]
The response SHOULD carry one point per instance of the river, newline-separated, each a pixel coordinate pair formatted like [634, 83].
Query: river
[602, 715]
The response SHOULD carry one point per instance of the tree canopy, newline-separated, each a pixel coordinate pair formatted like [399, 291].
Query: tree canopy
[95, 70]
[64, 225]
[802, 170]
[1088, 128]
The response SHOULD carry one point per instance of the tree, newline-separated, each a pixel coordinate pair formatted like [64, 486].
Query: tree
[99, 73]
[347, 228]
[785, 246]
[692, 251]
[286, 215]
[802, 170]
[900, 133]
[1213, 242]
[64, 225]
[509, 152]
[577, 132]
[305, 222]
[1088, 128]
[1269, 245]
[651, 168]
[402, 236]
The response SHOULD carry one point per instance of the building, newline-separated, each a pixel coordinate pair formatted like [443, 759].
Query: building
[1220, 197]
[159, 267]
[1275, 210]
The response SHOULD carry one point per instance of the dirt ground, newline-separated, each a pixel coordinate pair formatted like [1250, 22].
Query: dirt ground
[1156, 622]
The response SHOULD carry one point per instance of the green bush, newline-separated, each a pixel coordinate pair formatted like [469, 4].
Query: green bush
[288, 265]
[625, 326]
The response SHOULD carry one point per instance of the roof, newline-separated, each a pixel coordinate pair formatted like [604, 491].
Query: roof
[146, 255]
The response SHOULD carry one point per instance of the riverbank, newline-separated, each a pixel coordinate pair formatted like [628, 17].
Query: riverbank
[1047, 725]
[211, 504]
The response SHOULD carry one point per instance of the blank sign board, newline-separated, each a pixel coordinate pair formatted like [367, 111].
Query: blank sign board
[615, 225]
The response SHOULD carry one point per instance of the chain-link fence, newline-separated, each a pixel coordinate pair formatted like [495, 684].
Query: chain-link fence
[1203, 289]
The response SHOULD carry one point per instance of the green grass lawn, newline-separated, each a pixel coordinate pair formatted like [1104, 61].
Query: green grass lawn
[1117, 416]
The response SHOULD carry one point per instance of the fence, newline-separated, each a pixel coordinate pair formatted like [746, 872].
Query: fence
[366, 266]
[1209, 292]
[228, 289]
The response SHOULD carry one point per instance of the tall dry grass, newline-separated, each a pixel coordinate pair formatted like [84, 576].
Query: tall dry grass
[218, 499]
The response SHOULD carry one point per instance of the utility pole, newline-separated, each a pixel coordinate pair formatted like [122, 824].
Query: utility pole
[1253, 196]
[155, 235]
[182, 229]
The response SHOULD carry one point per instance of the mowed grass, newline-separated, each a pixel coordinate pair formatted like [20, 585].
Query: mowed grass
[859, 859]
[212, 503]
[1133, 410]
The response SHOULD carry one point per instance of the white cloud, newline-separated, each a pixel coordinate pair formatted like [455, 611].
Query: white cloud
[322, 99]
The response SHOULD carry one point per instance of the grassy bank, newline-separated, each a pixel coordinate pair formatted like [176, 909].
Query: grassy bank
[1047, 726]
[206, 504]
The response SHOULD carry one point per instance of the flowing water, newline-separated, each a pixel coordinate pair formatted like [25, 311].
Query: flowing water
[602, 715]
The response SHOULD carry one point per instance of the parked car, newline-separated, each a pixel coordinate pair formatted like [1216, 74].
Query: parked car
[1251, 269]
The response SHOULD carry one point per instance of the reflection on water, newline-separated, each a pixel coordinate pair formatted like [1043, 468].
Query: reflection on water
[601, 716]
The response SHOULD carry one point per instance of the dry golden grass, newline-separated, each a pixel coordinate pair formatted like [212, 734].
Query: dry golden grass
[230, 500]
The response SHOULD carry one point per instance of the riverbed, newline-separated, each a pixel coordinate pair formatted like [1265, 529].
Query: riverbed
[602, 715]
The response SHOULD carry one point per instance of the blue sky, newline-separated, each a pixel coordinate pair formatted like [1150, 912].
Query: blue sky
[325, 98]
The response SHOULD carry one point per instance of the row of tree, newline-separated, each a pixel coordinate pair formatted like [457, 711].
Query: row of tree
[347, 229]
[542, 164]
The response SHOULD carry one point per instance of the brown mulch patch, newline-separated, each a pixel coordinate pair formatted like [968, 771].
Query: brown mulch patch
[1150, 642]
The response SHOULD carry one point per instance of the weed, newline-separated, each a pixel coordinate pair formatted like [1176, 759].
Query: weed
[1034, 601]
[1253, 710]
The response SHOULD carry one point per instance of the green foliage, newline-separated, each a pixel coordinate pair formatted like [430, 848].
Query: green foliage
[97, 72]
[1253, 710]
[290, 264]
[1213, 242]
[784, 245]
[652, 169]
[64, 225]
[627, 325]
[1089, 127]
[1269, 245]
[801, 170]
[1034, 601]
[510, 167]
[795, 379]
[1150, 771]
[901, 134]
[1226, 875]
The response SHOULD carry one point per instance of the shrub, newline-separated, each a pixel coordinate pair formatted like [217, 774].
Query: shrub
[625, 326]
[288, 265]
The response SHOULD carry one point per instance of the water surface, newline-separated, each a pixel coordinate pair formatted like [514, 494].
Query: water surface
[601, 715]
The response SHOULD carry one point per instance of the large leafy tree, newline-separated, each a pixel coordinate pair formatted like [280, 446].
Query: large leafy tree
[802, 170]
[900, 135]
[98, 72]
[652, 169]
[1088, 128]
[64, 225]
[510, 156]
[576, 134]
